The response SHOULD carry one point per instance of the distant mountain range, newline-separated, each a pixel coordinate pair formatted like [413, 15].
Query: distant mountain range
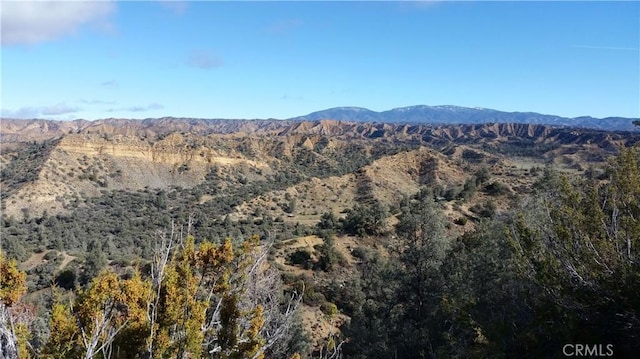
[465, 115]
[412, 115]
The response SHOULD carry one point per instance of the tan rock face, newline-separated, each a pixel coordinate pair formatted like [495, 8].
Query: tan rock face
[82, 165]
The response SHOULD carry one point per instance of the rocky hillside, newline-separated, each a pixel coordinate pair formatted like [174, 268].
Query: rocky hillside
[72, 190]
[37, 130]
[82, 159]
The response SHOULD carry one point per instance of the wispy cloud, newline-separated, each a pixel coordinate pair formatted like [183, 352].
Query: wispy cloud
[29, 112]
[284, 26]
[32, 22]
[110, 83]
[59, 109]
[149, 107]
[606, 47]
[203, 59]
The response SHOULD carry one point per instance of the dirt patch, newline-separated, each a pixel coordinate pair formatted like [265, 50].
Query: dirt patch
[33, 261]
[38, 258]
[66, 260]
[321, 326]
[300, 242]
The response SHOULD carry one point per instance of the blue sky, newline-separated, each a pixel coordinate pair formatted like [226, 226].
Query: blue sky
[101, 59]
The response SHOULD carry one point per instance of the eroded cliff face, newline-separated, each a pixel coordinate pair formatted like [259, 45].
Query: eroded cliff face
[172, 150]
[84, 165]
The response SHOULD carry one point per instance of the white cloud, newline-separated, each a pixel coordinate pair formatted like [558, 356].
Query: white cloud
[23, 112]
[59, 109]
[29, 112]
[31, 22]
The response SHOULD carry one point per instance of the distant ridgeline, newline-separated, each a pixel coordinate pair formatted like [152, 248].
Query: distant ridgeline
[466, 115]
[13, 130]
[412, 115]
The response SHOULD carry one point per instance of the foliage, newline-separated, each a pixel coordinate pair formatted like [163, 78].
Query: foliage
[94, 262]
[561, 268]
[482, 176]
[328, 222]
[485, 209]
[398, 294]
[329, 309]
[196, 302]
[24, 165]
[301, 257]
[365, 219]
[461, 221]
[496, 189]
[472, 156]
[15, 317]
[469, 189]
[12, 282]
[328, 256]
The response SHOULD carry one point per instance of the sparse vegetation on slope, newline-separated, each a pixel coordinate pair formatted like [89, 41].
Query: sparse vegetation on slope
[399, 239]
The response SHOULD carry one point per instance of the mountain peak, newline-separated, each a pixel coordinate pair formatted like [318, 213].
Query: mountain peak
[352, 108]
[451, 108]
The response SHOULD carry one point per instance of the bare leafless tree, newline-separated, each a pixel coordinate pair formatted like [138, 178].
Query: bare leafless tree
[333, 349]
[161, 255]
[8, 340]
[263, 287]
[99, 337]
[257, 284]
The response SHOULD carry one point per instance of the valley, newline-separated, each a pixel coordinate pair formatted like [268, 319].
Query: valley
[331, 200]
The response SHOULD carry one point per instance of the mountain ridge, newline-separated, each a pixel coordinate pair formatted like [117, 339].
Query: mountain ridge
[15, 131]
[417, 114]
[451, 114]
